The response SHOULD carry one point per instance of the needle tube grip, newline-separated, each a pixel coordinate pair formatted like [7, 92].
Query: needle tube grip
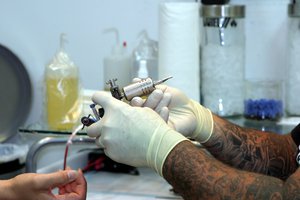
[141, 88]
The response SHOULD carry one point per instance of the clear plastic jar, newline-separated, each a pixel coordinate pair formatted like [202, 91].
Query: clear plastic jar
[293, 65]
[263, 100]
[223, 59]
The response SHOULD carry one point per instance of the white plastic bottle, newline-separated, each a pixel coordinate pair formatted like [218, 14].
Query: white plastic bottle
[117, 64]
[142, 71]
[145, 55]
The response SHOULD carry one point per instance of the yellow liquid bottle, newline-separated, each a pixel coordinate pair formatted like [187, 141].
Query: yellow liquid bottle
[63, 105]
[62, 102]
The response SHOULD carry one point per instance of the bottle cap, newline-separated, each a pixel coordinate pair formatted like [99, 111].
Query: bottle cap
[226, 10]
[294, 9]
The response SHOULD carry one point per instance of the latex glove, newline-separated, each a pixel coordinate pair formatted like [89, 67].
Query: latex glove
[183, 114]
[157, 101]
[133, 135]
[28, 186]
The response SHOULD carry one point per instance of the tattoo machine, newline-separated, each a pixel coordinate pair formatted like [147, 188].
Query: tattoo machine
[140, 88]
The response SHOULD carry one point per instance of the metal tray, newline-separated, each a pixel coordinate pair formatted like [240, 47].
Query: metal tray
[15, 94]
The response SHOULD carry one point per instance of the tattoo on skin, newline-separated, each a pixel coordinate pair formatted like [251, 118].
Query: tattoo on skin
[236, 163]
[195, 174]
[253, 150]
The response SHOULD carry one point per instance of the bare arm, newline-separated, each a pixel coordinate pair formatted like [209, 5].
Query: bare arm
[253, 150]
[194, 174]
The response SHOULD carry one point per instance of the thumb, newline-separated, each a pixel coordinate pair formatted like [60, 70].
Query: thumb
[57, 179]
[103, 99]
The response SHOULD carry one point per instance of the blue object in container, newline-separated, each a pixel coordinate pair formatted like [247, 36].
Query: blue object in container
[263, 109]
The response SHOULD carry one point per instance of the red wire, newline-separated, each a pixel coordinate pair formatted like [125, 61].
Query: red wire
[98, 163]
[66, 155]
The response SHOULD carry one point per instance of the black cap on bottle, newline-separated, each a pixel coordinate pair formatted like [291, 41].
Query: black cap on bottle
[214, 2]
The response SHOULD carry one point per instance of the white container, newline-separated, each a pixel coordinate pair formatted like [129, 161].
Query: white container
[145, 58]
[292, 80]
[222, 59]
[117, 65]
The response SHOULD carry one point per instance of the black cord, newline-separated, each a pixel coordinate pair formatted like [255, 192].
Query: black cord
[295, 133]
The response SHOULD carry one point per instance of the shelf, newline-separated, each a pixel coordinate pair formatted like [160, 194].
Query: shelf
[264, 125]
[51, 132]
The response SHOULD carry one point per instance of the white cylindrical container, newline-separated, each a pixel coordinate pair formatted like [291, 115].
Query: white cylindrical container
[223, 59]
[179, 46]
[292, 80]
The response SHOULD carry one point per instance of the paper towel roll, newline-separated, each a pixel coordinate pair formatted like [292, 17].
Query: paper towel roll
[179, 44]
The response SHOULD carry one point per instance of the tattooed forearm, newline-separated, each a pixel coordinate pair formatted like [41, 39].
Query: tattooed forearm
[195, 174]
[252, 150]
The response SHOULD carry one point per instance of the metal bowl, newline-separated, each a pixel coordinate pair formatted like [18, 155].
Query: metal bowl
[15, 94]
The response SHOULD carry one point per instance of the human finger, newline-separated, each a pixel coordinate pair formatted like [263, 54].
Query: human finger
[103, 99]
[57, 179]
[94, 130]
[164, 113]
[153, 99]
[137, 102]
[164, 102]
[99, 143]
[107, 102]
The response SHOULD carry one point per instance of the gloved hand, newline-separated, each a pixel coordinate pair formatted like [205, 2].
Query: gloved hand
[185, 115]
[133, 135]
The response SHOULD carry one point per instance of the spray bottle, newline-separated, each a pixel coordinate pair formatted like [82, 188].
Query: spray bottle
[117, 64]
[62, 101]
[145, 58]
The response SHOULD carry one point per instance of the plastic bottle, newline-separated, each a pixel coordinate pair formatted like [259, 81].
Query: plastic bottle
[145, 55]
[142, 71]
[118, 64]
[63, 105]
[223, 59]
[292, 79]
